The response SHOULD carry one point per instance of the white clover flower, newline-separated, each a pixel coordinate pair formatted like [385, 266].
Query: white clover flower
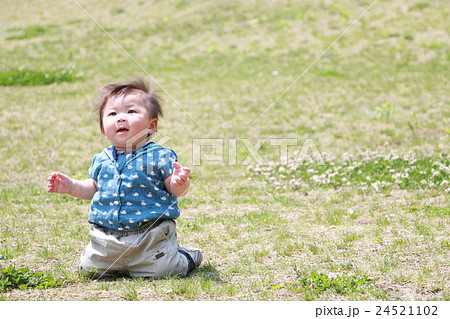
[444, 183]
[375, 186]
[447, 190]
[436, 173]
[423, 182]
[405, 175]
[332, 275]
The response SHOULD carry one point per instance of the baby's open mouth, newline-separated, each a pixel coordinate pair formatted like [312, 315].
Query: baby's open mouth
[122, 129]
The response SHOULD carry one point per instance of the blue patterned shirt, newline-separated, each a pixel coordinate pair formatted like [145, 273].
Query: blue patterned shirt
[130, 187]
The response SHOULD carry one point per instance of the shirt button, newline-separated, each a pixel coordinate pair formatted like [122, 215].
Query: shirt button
[117, 177]
[116, 202]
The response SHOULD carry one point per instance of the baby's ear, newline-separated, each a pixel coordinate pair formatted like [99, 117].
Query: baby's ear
[153, 125]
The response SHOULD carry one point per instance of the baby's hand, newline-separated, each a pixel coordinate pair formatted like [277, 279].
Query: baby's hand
[180, 174]
[59, 183]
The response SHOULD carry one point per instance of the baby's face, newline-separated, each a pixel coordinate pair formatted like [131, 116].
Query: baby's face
[126, 121]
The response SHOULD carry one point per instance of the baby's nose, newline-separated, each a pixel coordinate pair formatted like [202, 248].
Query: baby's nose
[121, 118]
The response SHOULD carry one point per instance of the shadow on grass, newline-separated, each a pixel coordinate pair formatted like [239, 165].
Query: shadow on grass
[207, 271]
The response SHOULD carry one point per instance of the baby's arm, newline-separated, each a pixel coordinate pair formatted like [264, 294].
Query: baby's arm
[178, 183]
[63, 184]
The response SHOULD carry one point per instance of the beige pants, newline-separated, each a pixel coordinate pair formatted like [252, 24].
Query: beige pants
[151, 252]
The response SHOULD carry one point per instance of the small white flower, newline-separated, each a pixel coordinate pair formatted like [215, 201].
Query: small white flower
[332, 275]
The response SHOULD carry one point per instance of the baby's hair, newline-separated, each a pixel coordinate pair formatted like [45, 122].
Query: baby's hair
[152, 101]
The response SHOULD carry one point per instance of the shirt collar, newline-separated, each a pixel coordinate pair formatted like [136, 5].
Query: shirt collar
[112, 151]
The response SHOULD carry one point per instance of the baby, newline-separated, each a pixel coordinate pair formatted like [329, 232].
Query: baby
[134, 187]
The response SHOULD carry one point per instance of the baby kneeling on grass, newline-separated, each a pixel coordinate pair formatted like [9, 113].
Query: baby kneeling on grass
[134, 187]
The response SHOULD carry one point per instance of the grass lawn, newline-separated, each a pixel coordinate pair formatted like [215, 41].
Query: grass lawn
[338, 191]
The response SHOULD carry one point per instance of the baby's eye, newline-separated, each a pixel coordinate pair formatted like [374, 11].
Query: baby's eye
[131, 111]
[112, 113]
